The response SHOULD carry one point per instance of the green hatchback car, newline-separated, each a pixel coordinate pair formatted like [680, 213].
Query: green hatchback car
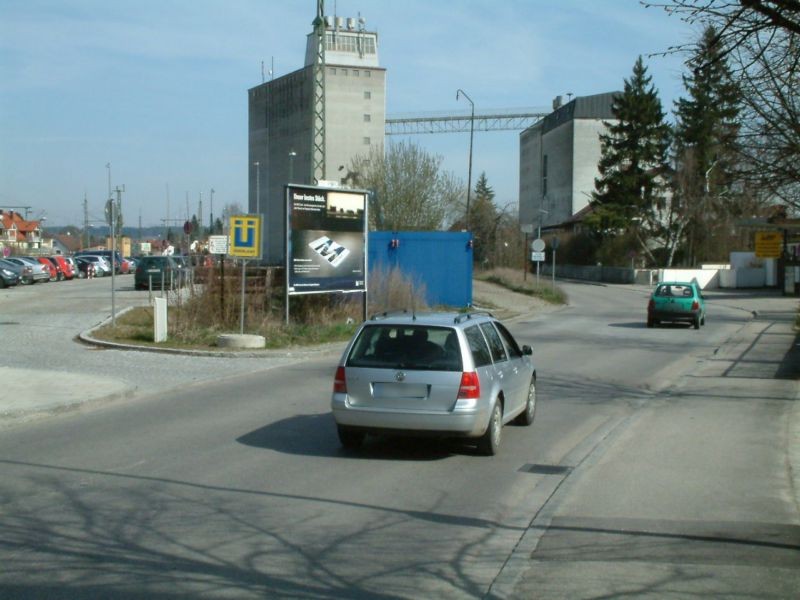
[677, 301]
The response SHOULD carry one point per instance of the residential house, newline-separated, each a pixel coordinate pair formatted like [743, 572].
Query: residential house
[19, 234]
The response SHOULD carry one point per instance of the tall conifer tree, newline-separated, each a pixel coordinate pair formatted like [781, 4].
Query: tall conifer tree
[630, 192]
[706, 135]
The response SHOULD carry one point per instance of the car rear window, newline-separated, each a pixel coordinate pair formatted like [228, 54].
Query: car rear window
[678, 291]
[406, 347]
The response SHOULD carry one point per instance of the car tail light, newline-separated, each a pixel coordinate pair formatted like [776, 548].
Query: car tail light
[695, 305]
[339, 383]
[470, 387]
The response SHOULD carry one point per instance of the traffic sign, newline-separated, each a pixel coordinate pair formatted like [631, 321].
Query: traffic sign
[245, 236]
[768, 244]
[110, 211]
[537, 256]
[538, 245]
[218, 244]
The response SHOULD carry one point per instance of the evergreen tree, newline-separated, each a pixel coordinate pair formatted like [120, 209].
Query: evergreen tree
[629, 195]
[706, 148]
[483, 221]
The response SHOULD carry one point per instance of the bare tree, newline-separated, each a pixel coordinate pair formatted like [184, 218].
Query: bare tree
[409, 191]
[760, 39]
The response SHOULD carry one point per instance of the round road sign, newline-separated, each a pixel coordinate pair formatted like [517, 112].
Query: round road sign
[538, 245]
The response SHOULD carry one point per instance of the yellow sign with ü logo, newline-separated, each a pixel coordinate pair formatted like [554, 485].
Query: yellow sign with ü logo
[245, 236]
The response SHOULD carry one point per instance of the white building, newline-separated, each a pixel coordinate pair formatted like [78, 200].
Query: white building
[558, 160]
[281, 121]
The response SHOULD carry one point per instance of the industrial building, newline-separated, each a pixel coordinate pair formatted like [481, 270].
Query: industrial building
[558, 160]
[282, 116]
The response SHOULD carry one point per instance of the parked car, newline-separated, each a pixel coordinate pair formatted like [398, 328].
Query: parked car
[85, 267]
[9, 276]
[51, 268]
[107, 254]
[24, 272]
[63, 266]
[450, 374]
[152, 270]
[71, 261]
[101, 266]
[677, 302]
[39, 272]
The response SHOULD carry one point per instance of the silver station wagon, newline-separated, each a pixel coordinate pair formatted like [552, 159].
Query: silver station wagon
[450, 374]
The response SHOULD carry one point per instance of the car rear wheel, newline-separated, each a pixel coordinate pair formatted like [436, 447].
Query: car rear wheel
[526, 416]
[489, 443]
[696, 323]
[351, 439]
[650, 322]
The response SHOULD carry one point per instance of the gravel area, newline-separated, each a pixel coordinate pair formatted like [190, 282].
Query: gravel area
[504, 303]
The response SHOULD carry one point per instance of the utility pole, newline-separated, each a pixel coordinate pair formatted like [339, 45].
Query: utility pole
[200, 217]
[166, 221]
[86, 220]
[211, 217]
[318, 140]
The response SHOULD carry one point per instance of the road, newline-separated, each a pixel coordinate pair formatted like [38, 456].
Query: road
[660, 463]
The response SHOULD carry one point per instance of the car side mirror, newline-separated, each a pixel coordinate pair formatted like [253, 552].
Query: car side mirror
[527, 350]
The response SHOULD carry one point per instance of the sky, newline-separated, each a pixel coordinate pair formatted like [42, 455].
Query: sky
[157, 89]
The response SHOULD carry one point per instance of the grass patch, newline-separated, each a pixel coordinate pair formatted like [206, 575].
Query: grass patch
[513, 280]
[136, 327]
[199, 314]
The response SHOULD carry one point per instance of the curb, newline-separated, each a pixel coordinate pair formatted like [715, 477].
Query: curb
[87, 338]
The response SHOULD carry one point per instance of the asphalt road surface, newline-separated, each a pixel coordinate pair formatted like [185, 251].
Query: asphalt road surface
[660, 463]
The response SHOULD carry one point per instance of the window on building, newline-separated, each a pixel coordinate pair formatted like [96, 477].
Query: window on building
[369, 73]
[544, 175]
[367, 95]
[344, 71]
[366, 141]
[332, 71]
[367, 118]
[356, 73]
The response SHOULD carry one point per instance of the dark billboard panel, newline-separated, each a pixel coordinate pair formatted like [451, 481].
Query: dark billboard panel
[326, 239]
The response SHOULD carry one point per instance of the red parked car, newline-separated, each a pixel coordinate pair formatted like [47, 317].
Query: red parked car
[66, 270]
[54, 273]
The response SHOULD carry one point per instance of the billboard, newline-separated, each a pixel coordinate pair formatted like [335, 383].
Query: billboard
[326, 239]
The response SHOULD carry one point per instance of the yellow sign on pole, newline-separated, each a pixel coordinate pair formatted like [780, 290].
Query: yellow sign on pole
[768, 244]
[245, 236]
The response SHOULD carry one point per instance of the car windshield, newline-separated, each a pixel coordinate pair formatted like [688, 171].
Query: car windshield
[406, 347]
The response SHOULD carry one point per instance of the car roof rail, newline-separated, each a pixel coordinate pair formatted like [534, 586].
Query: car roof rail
[469, 315]
[389, 313]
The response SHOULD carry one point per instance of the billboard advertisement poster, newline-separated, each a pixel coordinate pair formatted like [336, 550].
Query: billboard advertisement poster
[326, 238]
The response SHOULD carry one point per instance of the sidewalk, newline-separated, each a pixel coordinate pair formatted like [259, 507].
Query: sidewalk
[695, 493]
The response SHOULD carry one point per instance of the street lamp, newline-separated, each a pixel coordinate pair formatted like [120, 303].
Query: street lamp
[257, 165]
[292, 154]
[460, 93]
